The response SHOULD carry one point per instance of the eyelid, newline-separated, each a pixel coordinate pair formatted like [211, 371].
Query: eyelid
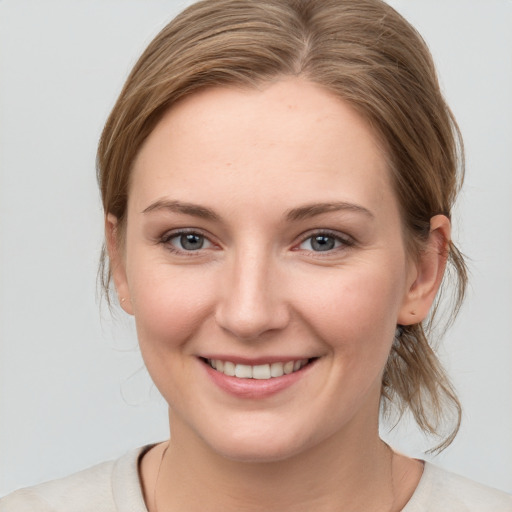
[166, 238]
[346, 240]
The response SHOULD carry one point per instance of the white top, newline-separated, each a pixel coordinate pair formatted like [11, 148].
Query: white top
[115, 487]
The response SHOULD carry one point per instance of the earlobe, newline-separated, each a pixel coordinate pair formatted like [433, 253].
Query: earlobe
[428, 275]
[117, 263]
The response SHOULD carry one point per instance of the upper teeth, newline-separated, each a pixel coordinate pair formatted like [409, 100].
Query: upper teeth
[259, 371]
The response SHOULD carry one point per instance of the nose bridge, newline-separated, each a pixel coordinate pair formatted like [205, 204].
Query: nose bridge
[252, 302]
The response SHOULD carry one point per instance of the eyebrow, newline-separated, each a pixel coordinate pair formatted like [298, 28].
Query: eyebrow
[295, 214]
[311, 210]
[185, 208]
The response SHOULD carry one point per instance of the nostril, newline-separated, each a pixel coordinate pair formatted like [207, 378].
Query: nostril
[250, 321]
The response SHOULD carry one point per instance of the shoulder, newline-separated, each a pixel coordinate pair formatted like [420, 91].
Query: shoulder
[442, 490]
[87, 489]
[102, 488]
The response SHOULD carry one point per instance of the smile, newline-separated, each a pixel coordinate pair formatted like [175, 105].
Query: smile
[260, 371]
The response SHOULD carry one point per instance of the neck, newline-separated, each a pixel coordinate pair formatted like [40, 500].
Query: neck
[349, 471]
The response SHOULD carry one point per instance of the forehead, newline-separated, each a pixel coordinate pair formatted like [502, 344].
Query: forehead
[290, 140]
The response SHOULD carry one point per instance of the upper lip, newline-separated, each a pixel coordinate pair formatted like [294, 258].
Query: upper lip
[254, 361]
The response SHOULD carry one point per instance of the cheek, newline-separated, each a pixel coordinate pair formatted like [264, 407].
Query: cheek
[169, 304]
[355, 310]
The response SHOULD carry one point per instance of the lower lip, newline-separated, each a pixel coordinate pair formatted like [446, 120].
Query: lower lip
[255, 388]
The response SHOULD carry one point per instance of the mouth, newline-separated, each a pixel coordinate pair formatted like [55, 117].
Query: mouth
[265, 371]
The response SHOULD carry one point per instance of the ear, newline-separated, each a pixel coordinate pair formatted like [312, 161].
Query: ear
[426, 273]
[117, 262]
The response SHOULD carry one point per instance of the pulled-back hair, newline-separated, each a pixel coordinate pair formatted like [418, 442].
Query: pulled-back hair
[365, 53]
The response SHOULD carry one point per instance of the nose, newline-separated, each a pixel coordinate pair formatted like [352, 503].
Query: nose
[252, 299]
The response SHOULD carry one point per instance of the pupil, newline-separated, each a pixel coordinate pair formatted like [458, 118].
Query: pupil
[322, 243]
[191, 242]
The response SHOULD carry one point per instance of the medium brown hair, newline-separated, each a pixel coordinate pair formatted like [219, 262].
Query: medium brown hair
[364, 52]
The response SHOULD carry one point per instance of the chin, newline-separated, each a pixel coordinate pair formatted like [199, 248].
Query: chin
[256, 453]
[258, 445]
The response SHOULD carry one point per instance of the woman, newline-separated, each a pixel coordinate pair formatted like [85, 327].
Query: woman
[277, 179]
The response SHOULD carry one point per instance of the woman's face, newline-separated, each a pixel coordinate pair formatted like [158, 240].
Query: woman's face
[263, 237]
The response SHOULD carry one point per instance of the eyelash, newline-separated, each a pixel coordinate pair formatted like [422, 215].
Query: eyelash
[343, 241]
[166, 241]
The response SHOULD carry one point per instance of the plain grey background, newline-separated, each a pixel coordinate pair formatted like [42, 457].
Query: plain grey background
[73, 390]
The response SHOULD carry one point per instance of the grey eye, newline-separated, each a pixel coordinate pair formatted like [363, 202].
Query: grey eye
[320, 243]
[189, 242]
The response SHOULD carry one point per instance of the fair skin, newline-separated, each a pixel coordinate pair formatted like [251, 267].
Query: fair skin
[262, 227]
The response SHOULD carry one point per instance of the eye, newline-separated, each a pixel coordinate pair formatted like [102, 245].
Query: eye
[322, 242]
[187, 241]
